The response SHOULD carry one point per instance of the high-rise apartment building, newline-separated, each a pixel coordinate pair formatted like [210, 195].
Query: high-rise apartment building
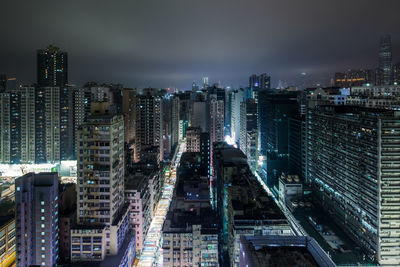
[36, 203]
[100, 187]
[47, 125]
[205, 154]
[17, 137]
[237, 98]
[129, 111]
[100, 166]
[175, 121]
[353, 162]
[83, 98]
[166, 118]
[52, 140]
[216, 122]
[248, 122]
[385, 61]
[52, 67]
[148, 123]
[67, 123]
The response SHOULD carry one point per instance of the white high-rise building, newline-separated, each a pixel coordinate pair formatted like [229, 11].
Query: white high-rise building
[237, 98]
[100, 186]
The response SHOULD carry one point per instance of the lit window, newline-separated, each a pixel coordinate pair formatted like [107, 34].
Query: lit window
[43, 248]
[42, 218]
[18, 188]
[42, 210]
[43, 256]
[42, 202]
[42, 233]
[43, 225]
[43, 240]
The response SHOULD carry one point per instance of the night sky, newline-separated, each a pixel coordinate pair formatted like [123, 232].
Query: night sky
[170, 43]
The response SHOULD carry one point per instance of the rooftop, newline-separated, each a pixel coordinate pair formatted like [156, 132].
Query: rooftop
[135, 181]
[283, 251]
[182, 216]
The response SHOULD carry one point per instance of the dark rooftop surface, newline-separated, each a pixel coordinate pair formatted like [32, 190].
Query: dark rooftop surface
[249, 199]
[181, 216]
[261, 251]
[282, 256]
[134, 182]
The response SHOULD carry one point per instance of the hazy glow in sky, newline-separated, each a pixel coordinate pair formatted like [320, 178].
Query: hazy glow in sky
[171, 43]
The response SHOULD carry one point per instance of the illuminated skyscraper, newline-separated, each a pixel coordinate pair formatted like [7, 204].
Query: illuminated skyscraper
[216, 122]
[102, 216]
[237, 98]
[47, 124]
[248, 141]
[129, 111]
[148, 123]
[36, 199]
[353, 162]
[175, 121]
[385, 60]
[17, 122]
[67, 123]
[52, 67]
[100, 166]
[205, 82]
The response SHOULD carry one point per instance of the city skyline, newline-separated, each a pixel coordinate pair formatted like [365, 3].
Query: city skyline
[182, 43]
[214, 133]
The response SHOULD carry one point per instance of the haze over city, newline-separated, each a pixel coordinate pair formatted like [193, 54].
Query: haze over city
[171, 43]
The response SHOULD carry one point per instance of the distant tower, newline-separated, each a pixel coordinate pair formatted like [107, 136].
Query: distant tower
[52, 67]
[205, 82]
[265, 81]
[254, 81]
[385, 60]
[195, 87]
